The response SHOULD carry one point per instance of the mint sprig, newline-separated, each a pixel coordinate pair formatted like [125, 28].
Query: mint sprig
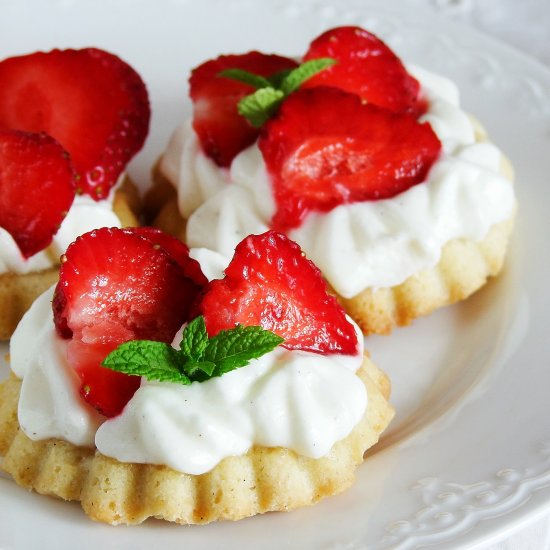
[270, 92]
[199, 357]
[260, 106]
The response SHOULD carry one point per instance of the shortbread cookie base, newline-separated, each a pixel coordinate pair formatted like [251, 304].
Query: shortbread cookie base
[263, 480]
[160, 194]
[18, 291]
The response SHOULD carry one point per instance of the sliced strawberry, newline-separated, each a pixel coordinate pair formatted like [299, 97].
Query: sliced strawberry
[326, 147]
[222, 131]
[366, 67]
[91, 101]
[116, 286]
[106, 390]
[177, 249]
[270, 283]
[37, 188]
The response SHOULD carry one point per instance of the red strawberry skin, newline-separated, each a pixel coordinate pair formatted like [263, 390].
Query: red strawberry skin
[366, 67]
[326, 147]
[222, 131]
[89, 100]
[177, 250]
[115, 286]
[37, 188]
[270, 283]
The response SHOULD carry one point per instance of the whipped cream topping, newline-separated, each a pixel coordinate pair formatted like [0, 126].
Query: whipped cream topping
[360, 245]
[49, 404]
[285, 398]
[84, 215]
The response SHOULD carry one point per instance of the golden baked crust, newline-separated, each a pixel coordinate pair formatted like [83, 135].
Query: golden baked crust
[127, 204]
[18, 291]
[265, 479]
[169, 220]
[162, 204]
[158, 195]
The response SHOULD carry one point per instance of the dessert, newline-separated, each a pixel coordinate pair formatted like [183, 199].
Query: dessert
[96, 108]
[229, 421]
[372, 167]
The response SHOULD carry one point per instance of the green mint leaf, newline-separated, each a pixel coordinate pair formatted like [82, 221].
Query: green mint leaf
[261, 105]
[232, 349]
[306, 70]
[199, 372]
[277, 78]
[154, 360]
[199, 357]
[194, 340]
[245, 77]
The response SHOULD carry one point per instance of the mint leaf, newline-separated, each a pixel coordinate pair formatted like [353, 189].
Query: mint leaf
[261, 105]
[276, 79]
[199, 357]
[201, 371]
[154, 360]
[231, 349]
[306, 70]
[194, 339]
[245, 77]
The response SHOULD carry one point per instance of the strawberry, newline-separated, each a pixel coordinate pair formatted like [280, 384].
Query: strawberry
[91, 101]
[222, 131]
[270, 283]
[326, 147]
[115, 286]
[366, 67]
[37, 188]
[177, 249]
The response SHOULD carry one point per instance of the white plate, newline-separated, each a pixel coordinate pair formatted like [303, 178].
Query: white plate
[468, 455]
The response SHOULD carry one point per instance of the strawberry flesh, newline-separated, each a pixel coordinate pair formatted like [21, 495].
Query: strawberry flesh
[89, 100]
[326, 147]
[270, 283]
[37, 188]
[115, 286]
[222, 131]
[366, 67]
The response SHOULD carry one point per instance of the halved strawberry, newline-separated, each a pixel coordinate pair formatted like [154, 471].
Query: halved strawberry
[37, 188]
[222, 131]
[326, 147]
[177, 249]
[91, 101]
[270, 283]
[115, 286]
[366, 67]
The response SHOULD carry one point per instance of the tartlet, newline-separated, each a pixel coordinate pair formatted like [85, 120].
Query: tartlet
[391, 248]
[114, 470]
[262, 480]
